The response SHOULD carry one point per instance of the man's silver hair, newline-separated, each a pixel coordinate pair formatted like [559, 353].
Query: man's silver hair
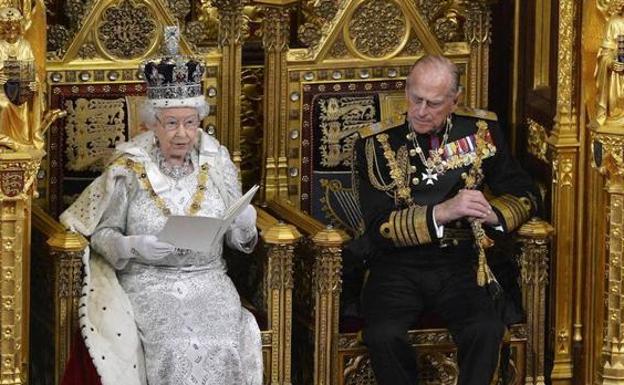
[148, 112]
[440, 62]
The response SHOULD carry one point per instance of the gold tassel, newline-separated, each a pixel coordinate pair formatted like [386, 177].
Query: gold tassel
[472, 179]
[481, 273]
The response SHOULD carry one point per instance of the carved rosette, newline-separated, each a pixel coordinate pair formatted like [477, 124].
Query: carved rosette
[58, 40]
[377, 29]
[87, 51]
[128, 30]
[430, 9]
[318, 15]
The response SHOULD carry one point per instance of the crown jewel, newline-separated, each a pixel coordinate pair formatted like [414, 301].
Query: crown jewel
[173, 76]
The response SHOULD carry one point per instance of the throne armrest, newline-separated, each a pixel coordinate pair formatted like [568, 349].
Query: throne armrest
[65, 250]
[319, 291]
[535, 237]
[279, 239]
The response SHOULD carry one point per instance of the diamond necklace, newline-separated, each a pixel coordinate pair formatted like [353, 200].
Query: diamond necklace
[434, 164]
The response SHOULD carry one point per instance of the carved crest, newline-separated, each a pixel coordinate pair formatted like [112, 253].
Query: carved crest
[20, 74]
[12, 182]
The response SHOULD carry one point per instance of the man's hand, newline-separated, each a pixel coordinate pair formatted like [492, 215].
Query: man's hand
[467, 203]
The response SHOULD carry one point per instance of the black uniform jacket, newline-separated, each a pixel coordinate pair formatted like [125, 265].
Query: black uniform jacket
[397, 194]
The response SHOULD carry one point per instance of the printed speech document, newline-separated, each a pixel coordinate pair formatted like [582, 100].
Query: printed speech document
[202, 233]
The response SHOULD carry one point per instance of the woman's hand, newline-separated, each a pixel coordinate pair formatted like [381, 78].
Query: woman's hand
[242, 234]
[246, 219]
[144, 246]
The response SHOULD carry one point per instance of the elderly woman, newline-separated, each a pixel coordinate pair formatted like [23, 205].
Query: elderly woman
[151, 313]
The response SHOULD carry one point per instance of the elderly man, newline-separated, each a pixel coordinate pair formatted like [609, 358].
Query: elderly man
[417, 210]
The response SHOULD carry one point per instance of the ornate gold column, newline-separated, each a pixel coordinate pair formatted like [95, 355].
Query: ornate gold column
[478, 35]
[232, 27]
[535, 236]
[282, 238]
[566, 194]
[275, 37]
[608, 150]
[327, 287]
[23, 122]
[17, 173]
[66, 250]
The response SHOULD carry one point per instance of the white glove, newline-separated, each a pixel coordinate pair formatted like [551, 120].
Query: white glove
[243, 235]
[246, 219]
[144, 246]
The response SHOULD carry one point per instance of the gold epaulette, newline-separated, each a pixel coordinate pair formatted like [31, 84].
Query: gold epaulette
[382, 126]
[476, 113]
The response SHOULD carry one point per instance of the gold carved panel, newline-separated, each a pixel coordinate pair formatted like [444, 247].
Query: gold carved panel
[537, 144]
[92, 128]
[392, 104]
[127, 30]
[341, 117]
[377, 29]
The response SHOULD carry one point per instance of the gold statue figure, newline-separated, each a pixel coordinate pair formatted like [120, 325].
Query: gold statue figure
[610, 70]
[22, 121]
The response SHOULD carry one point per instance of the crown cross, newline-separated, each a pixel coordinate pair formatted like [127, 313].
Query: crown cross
[173, 76]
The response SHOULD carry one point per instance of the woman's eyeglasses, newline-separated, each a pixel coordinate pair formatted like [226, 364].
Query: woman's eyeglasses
[172, 124]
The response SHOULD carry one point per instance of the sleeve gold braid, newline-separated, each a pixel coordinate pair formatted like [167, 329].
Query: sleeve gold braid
[407, 227]
[514, 210]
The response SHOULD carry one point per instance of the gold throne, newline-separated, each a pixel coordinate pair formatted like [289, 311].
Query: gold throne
[350, 76]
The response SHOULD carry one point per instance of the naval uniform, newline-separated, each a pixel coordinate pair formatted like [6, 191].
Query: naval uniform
[418, 266]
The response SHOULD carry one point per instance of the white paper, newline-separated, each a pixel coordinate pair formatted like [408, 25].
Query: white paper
[202, 233]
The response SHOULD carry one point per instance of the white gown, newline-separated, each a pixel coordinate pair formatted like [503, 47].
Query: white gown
[188, 315]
